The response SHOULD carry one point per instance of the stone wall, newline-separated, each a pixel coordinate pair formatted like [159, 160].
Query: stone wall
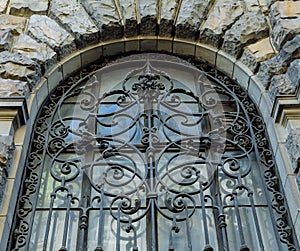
[242, 38]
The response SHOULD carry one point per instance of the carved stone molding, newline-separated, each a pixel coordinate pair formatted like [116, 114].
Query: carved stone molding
[6, 153]
[292, 145]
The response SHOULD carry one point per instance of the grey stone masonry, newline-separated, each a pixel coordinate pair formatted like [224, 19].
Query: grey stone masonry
[72, 16]
[27, 8]
[223, 15]
[192, 13]
[286, 84]
[148, 15]
[167, 17]
[46, 30]
[18, 67]
[128, 12]
[251, 27]
[36, 51]
[106, 16]
[284, 10]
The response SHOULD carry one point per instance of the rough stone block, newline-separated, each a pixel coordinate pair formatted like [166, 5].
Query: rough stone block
[27, 8]
[286, 84]
[269, 68]
[106, 16]
[47, 31]
[6, 40]
[284, 30]
[36, 51]
[191, 15]
[223, 15]
[167, 16]
[3, 6]
[73, 17]
[284, 10]
[249, 28]
[256, 53]
[15, 24]
[128, 12]
[18, 67]
[9, 88]
[148, 15]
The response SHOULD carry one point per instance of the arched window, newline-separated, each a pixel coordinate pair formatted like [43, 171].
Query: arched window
[150, 153]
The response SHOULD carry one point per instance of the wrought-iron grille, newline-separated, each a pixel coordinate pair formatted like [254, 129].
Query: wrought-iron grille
[150, 153]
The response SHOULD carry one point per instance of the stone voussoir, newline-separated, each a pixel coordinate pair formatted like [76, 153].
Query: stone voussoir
[256, 53]
[3, 6]
[6, 40]
[27, 8]
[128, 12]
[191, 15]
[148, 14]
[74, 18]
[250, 27]
[36, 51]
[106, 17]
[46, 30]
[13, 23]
[18, 67]
[284, 10]
[167, 16]
[223, 15]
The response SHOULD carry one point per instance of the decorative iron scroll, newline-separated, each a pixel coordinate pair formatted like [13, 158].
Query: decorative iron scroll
[151, 162]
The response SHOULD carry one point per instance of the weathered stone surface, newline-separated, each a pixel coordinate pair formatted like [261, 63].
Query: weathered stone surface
[292, 145]
[256, 53]
[106, 17]
[191, 15]
[6, 40]
[73, 17]
[278, 65]
[148, 15]
[252, 5]
[128, 12]
[47, 31]
[6, 153]
[9, 88]
[286, 84]
[18, 67]
[36, 51]
[27, 8]
[223, 15]
[284, 30]
[249, 28]
[284, 10]
[269, 68]
[15, 24]
[167, 16]
[3, 5]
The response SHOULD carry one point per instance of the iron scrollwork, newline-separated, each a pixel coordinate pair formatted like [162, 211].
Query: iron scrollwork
[151, 156]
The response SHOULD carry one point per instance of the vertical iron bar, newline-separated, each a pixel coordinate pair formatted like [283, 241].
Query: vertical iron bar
[100, 222]
[66, 225]
[206, 236]
[188, 230]
[47, 230]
